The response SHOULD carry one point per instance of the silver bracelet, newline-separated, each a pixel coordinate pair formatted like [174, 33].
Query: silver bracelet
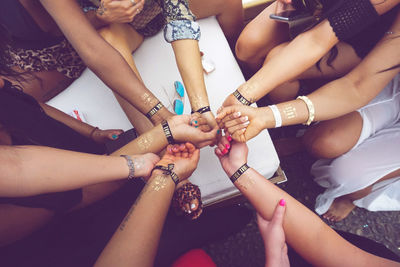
[131, 166]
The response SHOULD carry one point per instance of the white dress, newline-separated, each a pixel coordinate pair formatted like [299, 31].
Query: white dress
[376, 154]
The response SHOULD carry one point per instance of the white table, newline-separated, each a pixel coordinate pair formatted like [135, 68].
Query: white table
[156, 63]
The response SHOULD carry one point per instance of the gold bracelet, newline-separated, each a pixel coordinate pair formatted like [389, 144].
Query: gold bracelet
[310, 107]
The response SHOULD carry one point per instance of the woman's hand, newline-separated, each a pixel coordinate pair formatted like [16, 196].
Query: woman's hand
[121, 11]
[192, 128]
[231, 100]
[232, 159]
[243, 122]
[144, 164]
[102, 136]
[185, 157]
[274, 237]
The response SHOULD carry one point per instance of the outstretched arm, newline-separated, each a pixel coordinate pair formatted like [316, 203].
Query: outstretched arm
[333, 100]
[299, 55]
[98, 55]
[135, 241]
[34, 170]
[305, 232]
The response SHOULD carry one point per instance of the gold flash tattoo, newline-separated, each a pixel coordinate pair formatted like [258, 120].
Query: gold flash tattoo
[289, 111]
[144, 142]
[160, 181]
[146, 98]
[246, 90]
[198, 102]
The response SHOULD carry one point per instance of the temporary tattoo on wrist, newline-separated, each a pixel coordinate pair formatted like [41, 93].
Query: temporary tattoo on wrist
[198, 101]
[131, 166]
[289, 111]
[159, 182]
[144, 142]
[239, 172]
[154, 110]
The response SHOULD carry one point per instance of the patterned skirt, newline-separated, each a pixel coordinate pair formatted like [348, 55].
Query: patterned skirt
[61, 57]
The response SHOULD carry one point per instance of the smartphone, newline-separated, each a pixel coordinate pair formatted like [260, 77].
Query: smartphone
[290, 15]
[122, 140]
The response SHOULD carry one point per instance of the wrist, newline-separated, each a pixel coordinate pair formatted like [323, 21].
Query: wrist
[267, 116]
[233, 167]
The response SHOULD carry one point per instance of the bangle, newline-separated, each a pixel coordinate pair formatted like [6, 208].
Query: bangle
[203, 109]
[310, 107]
[241, 98]
[167, 132]
[277, 115]
[131, 166]
[154, 110]
[239, 172]
[168, 171]
[92, 132]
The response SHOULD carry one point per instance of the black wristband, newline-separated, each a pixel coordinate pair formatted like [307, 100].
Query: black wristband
[154, 110]
[241, 98]
[204, 109]
[239, 172]
[168, 171]
[351, 17]
[167, 132]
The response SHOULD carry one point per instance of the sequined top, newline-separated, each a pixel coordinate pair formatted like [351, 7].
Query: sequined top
[174, 15]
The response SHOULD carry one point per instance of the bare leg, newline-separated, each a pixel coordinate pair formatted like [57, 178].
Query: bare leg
[126, 40]
[344, 62]
[47, 85]
[342, 206]
[330, 139]
[17, 222]
[259, 37]
[229, 14]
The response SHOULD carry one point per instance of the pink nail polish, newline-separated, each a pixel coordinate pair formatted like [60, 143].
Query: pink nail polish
[227, 146]
[224, 151]
[282, 202]
[229, 138]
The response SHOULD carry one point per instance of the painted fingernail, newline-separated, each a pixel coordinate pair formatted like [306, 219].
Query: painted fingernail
[224, 151]
[228, 146]
[195, 122]
[189, 211]
[218, 131]
[238, 114]
[282, 202]
[246, 123]
[196, 126]
[114, 136]
[245, 118]
[193, 206]
[229, 138]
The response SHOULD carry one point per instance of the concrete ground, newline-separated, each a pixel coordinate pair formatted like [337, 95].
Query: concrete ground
[245, 248]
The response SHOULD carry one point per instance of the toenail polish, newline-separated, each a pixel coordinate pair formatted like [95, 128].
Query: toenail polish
[193, 206]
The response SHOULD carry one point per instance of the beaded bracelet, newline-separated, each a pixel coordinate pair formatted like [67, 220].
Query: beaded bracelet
[241, 98]
[167, 132]
[131, 166]
[154, 110]
[239, 172]
[168, 171]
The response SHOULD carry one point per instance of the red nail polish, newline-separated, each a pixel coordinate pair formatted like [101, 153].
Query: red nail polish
[282, 202]
[224, 151]
[227, 146]
[229, 138]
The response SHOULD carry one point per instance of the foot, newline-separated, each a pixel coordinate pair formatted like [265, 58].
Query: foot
[340, 208]
[190, 207]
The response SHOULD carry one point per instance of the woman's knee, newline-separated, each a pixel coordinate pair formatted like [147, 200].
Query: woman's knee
[324, 145]
[121, 36]
[248, 45]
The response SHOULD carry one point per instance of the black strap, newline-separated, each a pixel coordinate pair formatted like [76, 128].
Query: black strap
[154, 110]
[241, 98]
[168, 171]
[167, 132]
[239, 172]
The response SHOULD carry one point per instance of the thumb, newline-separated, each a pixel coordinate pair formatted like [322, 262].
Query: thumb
[279, 213]
[225, 111]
